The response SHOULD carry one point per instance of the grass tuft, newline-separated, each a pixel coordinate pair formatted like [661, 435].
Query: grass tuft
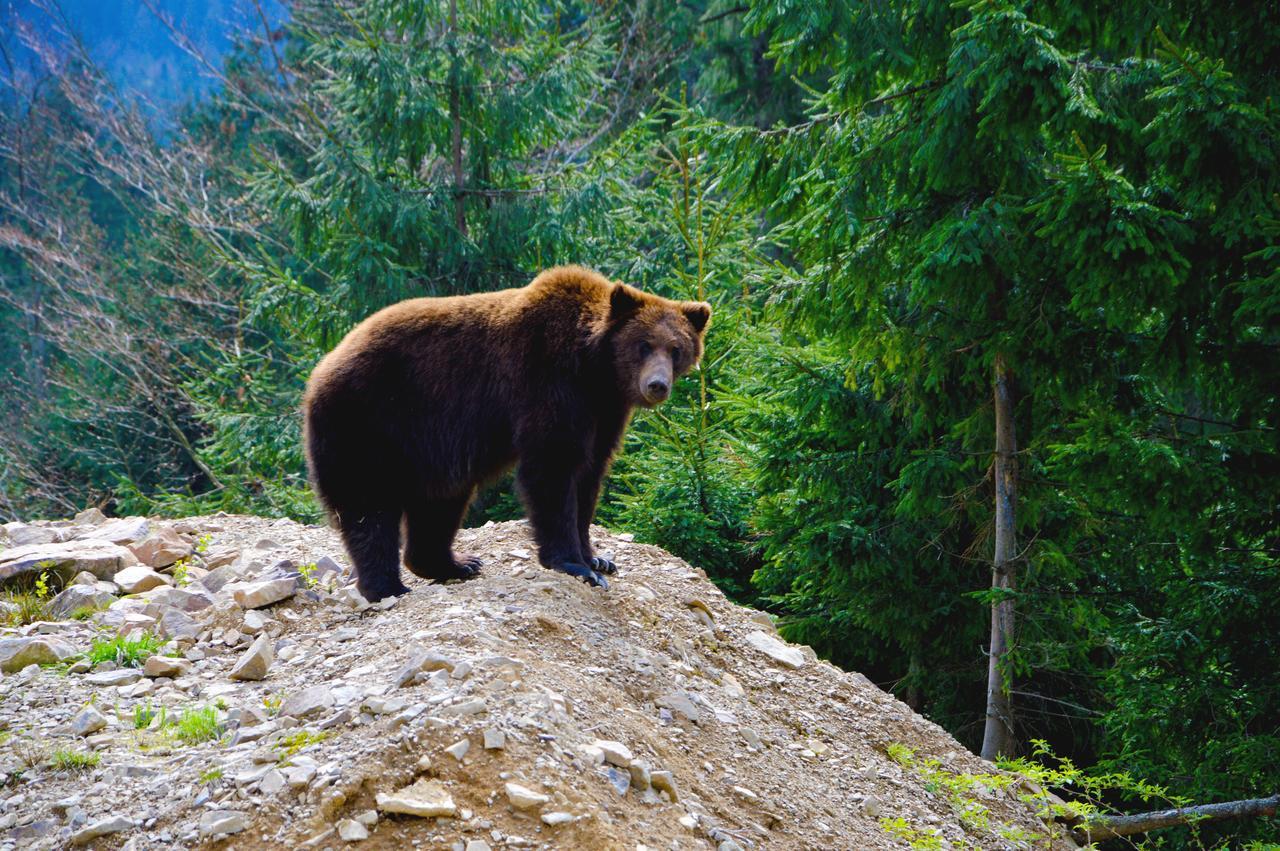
[66, 759]
[195, 726]
[127, 653]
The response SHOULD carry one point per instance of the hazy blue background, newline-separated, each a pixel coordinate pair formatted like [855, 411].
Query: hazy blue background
[133, 46]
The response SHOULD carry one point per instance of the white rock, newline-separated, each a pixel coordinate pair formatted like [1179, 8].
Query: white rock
[79, 596]
[272, 782]
[138, 578]
[524, 798]
[309, 701]
[477, 845]
[115, 678]
[101, 558]
[458, 749]
[216, 822]
[18, 653]
[256, 661]
[254, 622]
[121, 530]
[88, 720]
[425, 798]
[165, 666]
[556, 818]
[776, 650]
[615, 753]
[162, 548]
[255, 595]
[104, 827]
[90, 517]
[175, 623]
[494, 739]
[352, 831]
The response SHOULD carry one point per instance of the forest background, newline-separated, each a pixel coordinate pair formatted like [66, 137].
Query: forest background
[988, 410]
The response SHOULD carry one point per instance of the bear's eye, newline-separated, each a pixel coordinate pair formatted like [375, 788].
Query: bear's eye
[645, 349]
[676, 353]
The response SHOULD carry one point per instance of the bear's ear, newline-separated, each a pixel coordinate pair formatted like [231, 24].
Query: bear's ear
[698, 313]
[623, 302]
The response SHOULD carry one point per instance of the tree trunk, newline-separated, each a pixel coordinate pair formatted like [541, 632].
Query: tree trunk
[998, 736]
[1109, 827]
[455, 122]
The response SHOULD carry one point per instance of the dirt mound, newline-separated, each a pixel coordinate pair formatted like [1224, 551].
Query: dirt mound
[530, 709]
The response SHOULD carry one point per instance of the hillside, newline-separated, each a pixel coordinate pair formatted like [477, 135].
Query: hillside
[523, 709]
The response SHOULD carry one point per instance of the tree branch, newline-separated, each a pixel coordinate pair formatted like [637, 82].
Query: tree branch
[1110, 827]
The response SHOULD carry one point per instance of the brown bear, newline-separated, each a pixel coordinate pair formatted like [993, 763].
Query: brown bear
[429, 398]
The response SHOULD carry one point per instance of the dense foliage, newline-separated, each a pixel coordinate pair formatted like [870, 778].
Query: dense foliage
[901, 211]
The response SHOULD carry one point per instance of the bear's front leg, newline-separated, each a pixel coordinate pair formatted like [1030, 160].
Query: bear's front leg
[551, 495]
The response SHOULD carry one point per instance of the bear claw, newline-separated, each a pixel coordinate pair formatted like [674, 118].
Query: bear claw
[583, 572]
[603, 565]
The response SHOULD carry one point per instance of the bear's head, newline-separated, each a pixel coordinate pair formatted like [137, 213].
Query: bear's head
[655, 341]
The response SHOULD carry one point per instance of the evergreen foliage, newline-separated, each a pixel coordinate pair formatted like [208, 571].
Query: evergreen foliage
[894, 208]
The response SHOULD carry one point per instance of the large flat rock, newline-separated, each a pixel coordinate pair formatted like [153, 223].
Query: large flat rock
[101, 558]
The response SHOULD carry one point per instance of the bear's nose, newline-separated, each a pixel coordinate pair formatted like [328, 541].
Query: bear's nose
[658, 389]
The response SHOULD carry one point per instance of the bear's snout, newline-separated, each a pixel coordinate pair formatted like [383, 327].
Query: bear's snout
[655, 381]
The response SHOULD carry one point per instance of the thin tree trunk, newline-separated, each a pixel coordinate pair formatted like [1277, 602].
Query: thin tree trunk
[455, 122]
[998, 737]
[1109, 827]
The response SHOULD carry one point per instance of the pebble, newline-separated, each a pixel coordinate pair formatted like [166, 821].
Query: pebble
[458, 749]
[556, 818]
[524, 798]
[494, 739]
[352, 831]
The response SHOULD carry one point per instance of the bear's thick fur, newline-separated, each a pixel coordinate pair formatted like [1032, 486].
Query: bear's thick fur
[429, 398]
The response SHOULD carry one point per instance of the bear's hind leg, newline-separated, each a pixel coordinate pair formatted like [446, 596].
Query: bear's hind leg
[430, 526]
[373, 542]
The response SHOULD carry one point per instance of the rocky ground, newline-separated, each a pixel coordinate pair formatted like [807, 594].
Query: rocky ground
[254, 700]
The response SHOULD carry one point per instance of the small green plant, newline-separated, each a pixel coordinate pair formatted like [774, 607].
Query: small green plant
[202, 544]
[290, 744]
[30, 606]
[211, 776]
[66, 759]
[84, 613]
[182, 572]
[144, 715]
[30, 752]
[272, 704]
[308, 574]
[195, 726]
[125, 652]
[902, 829]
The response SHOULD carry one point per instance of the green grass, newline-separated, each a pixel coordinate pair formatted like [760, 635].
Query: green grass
[143, 715]
[290, 744]
[83, 613]
[30, 605]
[195, 726]
[65, 759]
[212, 775]
[128, 653]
